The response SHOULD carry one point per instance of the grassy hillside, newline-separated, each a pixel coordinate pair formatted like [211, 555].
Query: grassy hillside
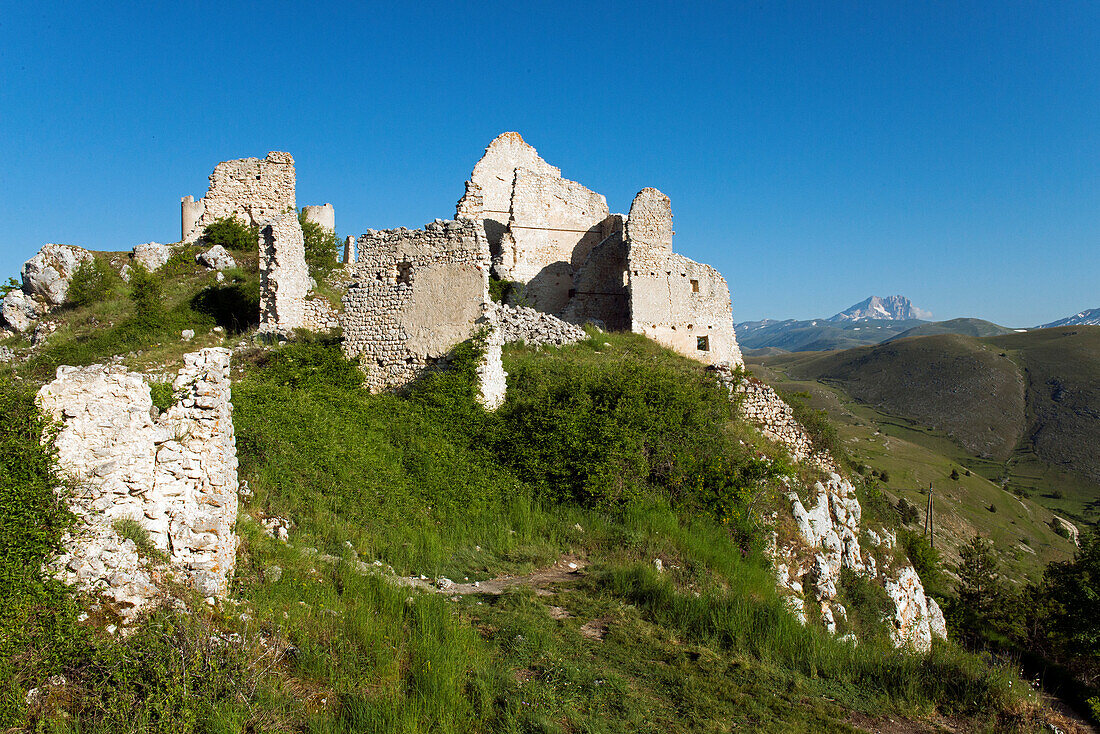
[913, 457]
[963, 327]
[607, 456]
[1021, 405]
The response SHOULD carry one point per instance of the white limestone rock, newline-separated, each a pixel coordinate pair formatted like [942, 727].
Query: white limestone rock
[48, 273]
[152, 255]
[19, 311]
[216, 258]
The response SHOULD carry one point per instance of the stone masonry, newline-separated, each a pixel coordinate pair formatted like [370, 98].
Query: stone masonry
[582, 263]
[414, 295]
[249, 189]
[322, 215]
[673, 300]
[175, 474]
[284, 276]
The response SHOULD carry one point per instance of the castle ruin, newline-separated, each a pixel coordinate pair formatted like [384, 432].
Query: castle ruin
[412, 295]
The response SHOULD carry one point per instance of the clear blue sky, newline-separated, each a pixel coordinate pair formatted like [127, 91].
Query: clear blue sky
[815, 153]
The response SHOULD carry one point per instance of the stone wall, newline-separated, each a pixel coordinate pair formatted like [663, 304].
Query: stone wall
[762, 406]
[319, 315]
[321, 214]
[553, 224]
[600, 286]
[494, 175]
[249, 189]
[413, 296]
[673, 300]
[284, 276]
[175, 474]
[521, 324]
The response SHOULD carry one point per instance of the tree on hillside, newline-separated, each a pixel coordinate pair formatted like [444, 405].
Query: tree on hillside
[1073, 589]
[985, 606]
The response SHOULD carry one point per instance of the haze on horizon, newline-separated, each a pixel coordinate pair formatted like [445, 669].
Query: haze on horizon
[814, 155]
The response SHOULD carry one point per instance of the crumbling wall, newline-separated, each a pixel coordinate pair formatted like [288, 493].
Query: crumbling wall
[249, 189]
[494, 175]
[174, 474]
[413, 296]
[673, 300]
[600, 292]
[321, 214]
[553, 225]
[284, 276]
[540, 226]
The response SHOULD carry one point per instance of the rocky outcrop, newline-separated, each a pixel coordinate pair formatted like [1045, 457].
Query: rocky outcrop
[216, 258]
[172, 475]
[808, 566]
[521, 324]
[48, 273]
[19, 311]
[152, 255]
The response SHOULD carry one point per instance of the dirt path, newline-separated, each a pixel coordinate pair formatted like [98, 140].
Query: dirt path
[565, 569]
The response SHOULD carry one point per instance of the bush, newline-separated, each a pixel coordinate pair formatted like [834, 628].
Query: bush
[507, 291]
[606, 433]
[37, 627]
[821, 430]
[908, 512]
[232, 234]
[147, 295]
[92, 282]
[954, 475]
[321, 246]
[926, 561]
[310, 363]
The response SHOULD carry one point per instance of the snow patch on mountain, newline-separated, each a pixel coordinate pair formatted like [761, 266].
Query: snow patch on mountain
[890, 308]
[1085, 318]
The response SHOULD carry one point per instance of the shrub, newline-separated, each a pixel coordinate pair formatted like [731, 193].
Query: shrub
[162, 395]
[310, 363]
[37, 626]
[180, 263]
[147, 295]
[926, 561]
[11, 285]
[321, 246]
[884, 476]
[908, 512]
[232, 234]
[954, 475]
[821, 430]
[605, 433]
[92, 282]
[507, 291]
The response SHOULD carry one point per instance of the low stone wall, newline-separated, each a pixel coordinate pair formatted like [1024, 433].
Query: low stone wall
[762, 406]
[174, 474]
[522, 324]
[319, 315]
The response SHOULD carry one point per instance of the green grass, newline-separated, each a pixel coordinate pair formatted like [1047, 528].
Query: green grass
[1018, 404]
[614, 451]
[915, 456]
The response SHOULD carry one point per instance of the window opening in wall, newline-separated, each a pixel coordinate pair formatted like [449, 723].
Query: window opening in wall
[405, 272]
[694, 286]
[702, 343]
[572, 292]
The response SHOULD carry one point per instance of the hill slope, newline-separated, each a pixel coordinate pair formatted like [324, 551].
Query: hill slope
[1024, 401]
[964, 327]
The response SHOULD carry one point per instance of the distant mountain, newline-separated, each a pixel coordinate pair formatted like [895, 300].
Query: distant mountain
[965, 327]
[876, 308]
[817, 335]
[1085, 318]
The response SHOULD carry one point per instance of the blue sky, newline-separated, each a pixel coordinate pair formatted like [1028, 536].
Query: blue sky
[815, 153]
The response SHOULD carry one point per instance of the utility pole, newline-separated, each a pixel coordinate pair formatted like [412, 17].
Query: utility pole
[929, 526]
